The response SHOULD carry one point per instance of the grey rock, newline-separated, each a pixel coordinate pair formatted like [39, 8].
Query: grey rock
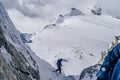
[89, 73]
[18, 67]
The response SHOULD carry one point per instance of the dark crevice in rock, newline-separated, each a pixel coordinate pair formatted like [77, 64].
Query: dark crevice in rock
[2, 38]
[27, 73]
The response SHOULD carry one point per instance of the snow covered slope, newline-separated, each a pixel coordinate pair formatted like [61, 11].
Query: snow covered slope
[79, 39]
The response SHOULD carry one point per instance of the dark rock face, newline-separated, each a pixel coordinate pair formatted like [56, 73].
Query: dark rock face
[89, 73]
[96, 11]
[14, 65]
[75, 12]
[70, 78]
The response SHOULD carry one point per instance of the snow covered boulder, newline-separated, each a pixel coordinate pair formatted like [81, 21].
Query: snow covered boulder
[96, 11]
[89, 73]
[60, 19]
[75, 12]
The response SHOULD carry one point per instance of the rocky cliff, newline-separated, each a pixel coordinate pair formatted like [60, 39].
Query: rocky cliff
[16, 62]
[89, 73]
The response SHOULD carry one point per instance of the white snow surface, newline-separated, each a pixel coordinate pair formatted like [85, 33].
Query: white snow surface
[79, 39]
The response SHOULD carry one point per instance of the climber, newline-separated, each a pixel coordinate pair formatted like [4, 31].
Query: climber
[59, 64]
[110, 69]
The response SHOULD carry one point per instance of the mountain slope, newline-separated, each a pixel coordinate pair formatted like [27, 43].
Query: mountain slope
[79, 39]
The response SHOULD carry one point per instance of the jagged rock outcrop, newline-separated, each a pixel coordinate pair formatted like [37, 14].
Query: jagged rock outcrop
[96, 11]
[89, 73]
[75, 12]
[60, 19]
[16, 62]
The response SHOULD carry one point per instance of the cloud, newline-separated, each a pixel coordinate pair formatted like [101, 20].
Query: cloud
[33, 15]
[25, 23]
[43, 8]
